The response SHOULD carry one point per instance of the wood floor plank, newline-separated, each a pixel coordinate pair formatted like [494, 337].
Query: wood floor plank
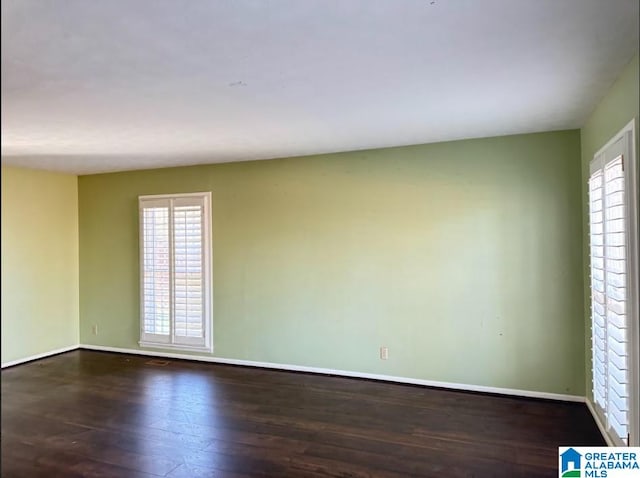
[98, 414]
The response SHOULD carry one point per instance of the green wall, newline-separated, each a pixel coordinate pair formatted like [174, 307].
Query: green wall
[464, 258]
[615, 110]
[39, 262]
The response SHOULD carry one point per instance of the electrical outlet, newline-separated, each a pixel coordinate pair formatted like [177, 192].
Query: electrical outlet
[384, 353]
[94, 329]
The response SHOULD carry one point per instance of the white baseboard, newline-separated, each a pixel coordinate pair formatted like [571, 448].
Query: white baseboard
[39, 356]
[601, 427]
[344, 373]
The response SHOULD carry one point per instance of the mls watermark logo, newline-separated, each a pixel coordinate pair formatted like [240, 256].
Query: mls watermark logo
[570, 463]
[598, 462]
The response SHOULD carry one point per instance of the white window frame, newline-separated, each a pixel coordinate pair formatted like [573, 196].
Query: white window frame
[169, 341]
[632, 254]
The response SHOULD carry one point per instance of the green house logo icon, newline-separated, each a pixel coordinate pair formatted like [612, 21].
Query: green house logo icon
[570, 460]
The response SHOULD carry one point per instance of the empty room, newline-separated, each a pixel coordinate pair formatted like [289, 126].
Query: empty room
[315, 238]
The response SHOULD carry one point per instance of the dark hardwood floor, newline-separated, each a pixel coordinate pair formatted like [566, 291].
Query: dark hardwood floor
[99, 414]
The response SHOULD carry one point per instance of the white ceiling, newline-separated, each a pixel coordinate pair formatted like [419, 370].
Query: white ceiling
[94, 85]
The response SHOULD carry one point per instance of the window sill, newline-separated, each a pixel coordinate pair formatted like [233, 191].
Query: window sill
[184, 348]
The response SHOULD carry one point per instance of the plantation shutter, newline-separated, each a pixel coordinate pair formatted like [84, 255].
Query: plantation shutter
[174, 282]
[598, 301]
[610, 324]
[156, 280]
[188, 216]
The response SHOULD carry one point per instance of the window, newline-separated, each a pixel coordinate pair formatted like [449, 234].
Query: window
[175, 272]
[614, 309]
